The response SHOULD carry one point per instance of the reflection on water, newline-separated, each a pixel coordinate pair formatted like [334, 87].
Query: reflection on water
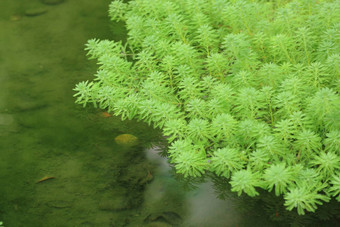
[95, 181]
[198, 207]
[209, 202]
[203, 202]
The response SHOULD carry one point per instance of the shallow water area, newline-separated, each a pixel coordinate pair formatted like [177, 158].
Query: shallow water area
[43, 134]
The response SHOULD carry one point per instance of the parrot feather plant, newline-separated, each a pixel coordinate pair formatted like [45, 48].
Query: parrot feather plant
[248, 90]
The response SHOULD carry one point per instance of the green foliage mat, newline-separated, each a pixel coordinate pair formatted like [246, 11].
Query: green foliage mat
[248, 90]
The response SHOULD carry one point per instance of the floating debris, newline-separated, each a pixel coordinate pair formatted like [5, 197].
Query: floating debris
[45, 179]
[105, 114]
[126, 140]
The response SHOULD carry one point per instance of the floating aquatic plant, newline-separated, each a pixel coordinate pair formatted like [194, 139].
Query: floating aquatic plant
[248, 90]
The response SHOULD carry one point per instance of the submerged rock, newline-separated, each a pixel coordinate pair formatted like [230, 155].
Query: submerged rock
[167, 217]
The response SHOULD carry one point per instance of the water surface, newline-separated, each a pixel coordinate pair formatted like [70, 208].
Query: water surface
[96, 182]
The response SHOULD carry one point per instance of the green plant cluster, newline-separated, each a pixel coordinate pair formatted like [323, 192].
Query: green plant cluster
[248, 90]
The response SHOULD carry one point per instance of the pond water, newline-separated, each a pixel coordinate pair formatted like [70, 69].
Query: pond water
[60, 164]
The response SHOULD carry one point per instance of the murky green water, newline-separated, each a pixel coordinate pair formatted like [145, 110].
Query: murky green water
[96, 182]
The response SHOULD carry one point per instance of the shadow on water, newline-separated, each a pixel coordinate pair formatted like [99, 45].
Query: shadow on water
[92, 179]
